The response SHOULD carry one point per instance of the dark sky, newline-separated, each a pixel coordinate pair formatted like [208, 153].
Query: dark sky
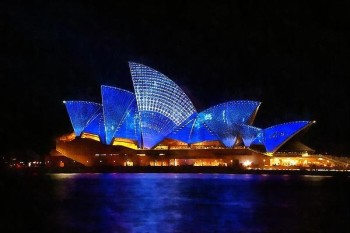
[293, 57]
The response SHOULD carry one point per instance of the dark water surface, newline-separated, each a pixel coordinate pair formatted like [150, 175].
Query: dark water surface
[175, 203]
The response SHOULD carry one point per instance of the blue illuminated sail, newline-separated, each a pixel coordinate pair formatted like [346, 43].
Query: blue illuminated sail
[81, 113]
[115, 103]
[201, 132]
[97, 127]
[275, 136]
[160, 109]
[161, 103]
[130, 125]
[249, 133]
[224, 119]
[183, 131]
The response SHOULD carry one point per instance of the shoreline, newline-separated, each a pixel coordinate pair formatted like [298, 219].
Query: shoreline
[179, 169]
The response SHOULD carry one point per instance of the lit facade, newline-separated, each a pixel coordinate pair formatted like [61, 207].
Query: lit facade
[159, 115]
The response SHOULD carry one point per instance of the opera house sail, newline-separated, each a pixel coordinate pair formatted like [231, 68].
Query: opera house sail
[158, 120]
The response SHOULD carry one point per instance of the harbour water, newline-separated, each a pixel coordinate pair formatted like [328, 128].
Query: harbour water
[170, 202]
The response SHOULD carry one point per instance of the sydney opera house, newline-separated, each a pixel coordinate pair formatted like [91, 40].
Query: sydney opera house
[158, 125]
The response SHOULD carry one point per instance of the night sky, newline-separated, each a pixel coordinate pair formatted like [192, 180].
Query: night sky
[293, 57]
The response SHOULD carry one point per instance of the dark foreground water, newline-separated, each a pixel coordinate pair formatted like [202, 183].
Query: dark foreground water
[174, 203]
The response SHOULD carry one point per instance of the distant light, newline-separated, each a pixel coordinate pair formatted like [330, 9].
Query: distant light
[247, 163]
[64, 101]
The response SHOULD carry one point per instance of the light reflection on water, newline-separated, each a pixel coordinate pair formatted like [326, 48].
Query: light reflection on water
[199, 203]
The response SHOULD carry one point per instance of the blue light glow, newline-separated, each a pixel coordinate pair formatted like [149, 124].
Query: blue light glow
[183, 131]
[248, 133]
[155, 127]
[115, 102]
[159, 109]
[97, 127]
[130, 125]
[201, 132]
[157, 93]
[81, 113]
[275, 136]
[158, 96]
[224, 119]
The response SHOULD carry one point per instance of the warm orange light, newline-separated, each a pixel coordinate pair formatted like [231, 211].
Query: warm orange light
[247, 163]
[67, 137]
[125, 142]
[91, 136]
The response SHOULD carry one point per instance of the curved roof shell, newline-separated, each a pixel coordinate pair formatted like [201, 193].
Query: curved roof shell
[160, 109]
